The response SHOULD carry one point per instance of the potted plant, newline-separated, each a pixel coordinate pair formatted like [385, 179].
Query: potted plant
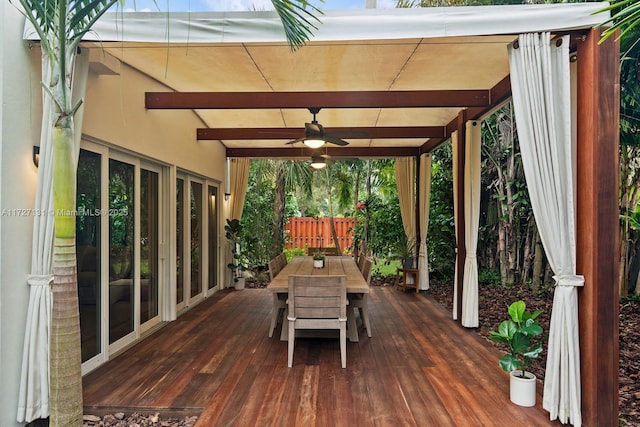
[233, 232]
[318, 259]
[521, 332]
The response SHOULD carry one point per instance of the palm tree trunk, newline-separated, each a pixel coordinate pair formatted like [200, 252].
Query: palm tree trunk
[277, 243]
[65, 357]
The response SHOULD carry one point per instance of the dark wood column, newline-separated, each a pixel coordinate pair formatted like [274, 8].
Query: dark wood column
[460, 234]
[598, 94]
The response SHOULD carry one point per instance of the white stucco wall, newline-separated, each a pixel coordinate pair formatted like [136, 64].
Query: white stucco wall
[19, 132]
[114, 115]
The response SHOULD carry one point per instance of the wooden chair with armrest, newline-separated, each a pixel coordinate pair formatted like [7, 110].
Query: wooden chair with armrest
[318, 302]
[359, 301]
[279, 300]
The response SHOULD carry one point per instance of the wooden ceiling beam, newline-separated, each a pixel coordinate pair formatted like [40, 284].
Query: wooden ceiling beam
[334, 152]
[346, 99]
[499, 94]
[382, 132]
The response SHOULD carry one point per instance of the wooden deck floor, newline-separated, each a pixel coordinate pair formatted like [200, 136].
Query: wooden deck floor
[216, 361]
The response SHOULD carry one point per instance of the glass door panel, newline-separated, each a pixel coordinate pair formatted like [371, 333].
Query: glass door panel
[121, 249]
[88, 252]
[149, 207]
[213, 238]
[179, 241]
[196, 238]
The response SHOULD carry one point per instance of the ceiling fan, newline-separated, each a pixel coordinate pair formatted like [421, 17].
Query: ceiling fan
[314, 134]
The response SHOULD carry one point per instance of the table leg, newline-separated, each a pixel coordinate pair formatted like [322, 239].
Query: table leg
[284, 334]
[352, 328]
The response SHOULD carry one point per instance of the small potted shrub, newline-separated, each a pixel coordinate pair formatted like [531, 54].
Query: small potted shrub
[318, 259]
[233, 232]
[521, 333]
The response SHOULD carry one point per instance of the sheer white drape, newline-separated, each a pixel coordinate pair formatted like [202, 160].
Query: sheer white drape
[454, 157]
[239, 176]
[540, 81]
[33, 397]
[469, 317]
[239, 179]
[405, 171]
[425, 197]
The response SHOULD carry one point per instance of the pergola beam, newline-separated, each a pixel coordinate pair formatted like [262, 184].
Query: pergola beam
[345, 99]
[334, 152]
[342, 132]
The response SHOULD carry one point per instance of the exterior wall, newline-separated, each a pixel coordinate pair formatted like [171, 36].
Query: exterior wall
[19, 100]
[114, 115]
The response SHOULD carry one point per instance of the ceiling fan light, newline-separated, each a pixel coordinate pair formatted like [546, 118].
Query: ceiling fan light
[314, 142]
[318, 162]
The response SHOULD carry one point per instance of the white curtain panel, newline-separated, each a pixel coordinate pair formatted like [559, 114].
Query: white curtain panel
[425, 196]
[454, 152]
[33, 396]
[540, 83]
[239, 176]
[469, 317]
[405, 171]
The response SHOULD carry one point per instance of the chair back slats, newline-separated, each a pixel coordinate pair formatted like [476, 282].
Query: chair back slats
[330, 251]
[273, 268]
[317, 297]
[366, 270]
[361, 261]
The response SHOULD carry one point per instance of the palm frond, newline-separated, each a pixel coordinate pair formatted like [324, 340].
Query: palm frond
[82, 17]
[625, 17]
[298, 17]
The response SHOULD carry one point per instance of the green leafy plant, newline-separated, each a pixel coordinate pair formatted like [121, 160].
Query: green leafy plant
[520, 333]
[319, 255]
[233, 233]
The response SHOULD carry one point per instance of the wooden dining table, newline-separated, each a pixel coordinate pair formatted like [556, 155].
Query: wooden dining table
[334, 266]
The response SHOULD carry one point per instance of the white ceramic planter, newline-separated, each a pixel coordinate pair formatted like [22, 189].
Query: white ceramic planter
[240, 283]
[523, 390]
[318, 263]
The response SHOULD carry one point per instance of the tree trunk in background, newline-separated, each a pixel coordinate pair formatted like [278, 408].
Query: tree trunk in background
[528, 251]
[502, 252]
[367, 213]
[538, 262]
[278, 210]
[332, 224]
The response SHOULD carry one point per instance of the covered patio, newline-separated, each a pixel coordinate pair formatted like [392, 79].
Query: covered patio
[405, 82]
[419, 368]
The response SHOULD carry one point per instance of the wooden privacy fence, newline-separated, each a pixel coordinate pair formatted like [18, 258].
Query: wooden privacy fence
[303, 232]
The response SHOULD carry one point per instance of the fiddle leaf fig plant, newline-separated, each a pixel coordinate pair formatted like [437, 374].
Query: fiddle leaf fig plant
[521, 332]
[233, 233]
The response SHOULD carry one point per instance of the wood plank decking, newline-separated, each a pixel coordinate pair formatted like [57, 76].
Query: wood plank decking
[216, 361]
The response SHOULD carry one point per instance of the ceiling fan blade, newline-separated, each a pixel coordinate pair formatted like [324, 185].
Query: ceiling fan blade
[334, 140]
[294, 141]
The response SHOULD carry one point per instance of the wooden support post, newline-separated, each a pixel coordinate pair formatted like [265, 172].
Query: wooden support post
[598, 96]
[460, 234]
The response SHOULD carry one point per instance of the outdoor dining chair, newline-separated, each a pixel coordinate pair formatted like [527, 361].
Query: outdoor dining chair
[359, 301]
[318, 302]
[279, 300]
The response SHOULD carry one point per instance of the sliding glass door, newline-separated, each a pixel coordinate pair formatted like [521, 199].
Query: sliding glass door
[122, 253]
[149, 245]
